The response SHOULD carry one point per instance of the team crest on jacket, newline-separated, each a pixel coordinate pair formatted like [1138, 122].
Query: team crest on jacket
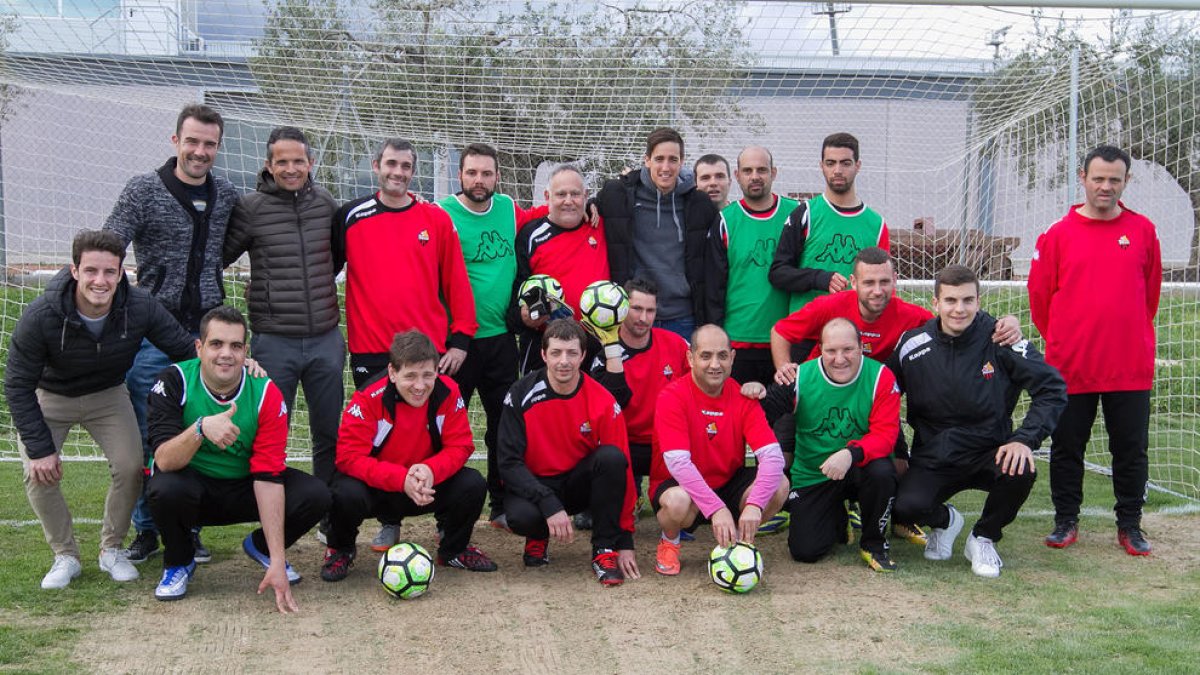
[423, 237]
[668, 373]
[987, 370]
[711, 430]
[592, 241]
[1123, 242]
[585, 428]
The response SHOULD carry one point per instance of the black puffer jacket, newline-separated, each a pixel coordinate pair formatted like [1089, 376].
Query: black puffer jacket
[288, 234]
[616, 204]
[961, 392]
[51, 349]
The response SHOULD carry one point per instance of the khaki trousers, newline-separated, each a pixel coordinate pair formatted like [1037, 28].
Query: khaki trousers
[108, 417]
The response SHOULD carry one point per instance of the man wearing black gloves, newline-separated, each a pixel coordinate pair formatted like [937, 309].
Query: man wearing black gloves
[961, 390]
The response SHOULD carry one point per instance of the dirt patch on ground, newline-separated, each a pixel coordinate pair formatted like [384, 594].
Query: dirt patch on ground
[549, 620]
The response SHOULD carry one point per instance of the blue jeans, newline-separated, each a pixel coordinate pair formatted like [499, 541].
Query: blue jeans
[684, 326]
[148, 363]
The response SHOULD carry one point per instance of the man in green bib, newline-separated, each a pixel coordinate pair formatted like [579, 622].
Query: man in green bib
[847, 411]
[740, 297]
[220, 437]
[822, 236]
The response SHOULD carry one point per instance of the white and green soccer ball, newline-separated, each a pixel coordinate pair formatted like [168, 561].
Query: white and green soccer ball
[406, 570]
[544, 281]
[604, 304]
[736, 569]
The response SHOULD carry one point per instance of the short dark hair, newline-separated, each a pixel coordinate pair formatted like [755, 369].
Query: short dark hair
[664, 135]
[411, 347]
[710, 158]
[287, 134]
[641, 285]
[873, 255]
[395, 144]
[840, 140]
[224, 314]
[481, 150]
[202, 114]
[1108, 153]
[97, 240]
[564, 329]
[954, 275]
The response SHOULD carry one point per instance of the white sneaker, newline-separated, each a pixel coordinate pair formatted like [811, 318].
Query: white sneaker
[981, 551]
[64, 569]
[116, 563]
[939, 543]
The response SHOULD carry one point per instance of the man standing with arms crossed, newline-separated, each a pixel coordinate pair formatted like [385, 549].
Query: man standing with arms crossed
[740, 296]
[1093, 292]
[817, 246]
[175, 217]
[292, 298]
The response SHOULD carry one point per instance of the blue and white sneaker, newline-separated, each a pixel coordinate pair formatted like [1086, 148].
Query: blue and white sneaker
[175, 581]
[265, 560]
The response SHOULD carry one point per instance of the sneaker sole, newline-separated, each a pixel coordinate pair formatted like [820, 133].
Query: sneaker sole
[1061, 544]
[1133, 552]
[666, 572]
[381, 548]
[169, 598]
[203, 558]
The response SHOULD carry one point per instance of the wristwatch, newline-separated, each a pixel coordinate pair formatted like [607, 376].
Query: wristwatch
[200, 427]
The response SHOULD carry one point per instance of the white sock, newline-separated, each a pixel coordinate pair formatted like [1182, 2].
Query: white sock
[671, 540]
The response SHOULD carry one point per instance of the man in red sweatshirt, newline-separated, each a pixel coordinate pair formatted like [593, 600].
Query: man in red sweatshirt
[402, 451]
[1093, 292]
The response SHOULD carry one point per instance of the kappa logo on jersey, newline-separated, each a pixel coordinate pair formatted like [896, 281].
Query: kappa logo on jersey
[355, 411]
[1022, 348]
[1123, 242]
[841, 249]
[507, 399]
[592, 241]
[459, 404]
[895, 388]
[283, 408]
[711, 430]
[987, 371]
[668, 373]
[711, 413]
[838, 423]
[423, 237]
[616, 409]
[585, 428]
[764, 250]
[159, 388]
[492, 246]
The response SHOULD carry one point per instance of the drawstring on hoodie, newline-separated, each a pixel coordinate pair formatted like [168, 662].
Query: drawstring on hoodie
[674, 214]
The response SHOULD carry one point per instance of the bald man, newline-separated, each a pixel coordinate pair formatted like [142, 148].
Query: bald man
[698, 470]
[847, 411]
[741, 298]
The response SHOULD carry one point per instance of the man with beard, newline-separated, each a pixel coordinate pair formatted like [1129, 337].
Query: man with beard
[487, 225]
[817, 246]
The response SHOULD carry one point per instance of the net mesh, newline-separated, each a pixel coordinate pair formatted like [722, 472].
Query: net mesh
[963, 113]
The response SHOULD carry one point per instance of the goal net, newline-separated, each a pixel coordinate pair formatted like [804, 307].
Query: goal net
[972, 121]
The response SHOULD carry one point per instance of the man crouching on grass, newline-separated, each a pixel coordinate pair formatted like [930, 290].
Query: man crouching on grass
[219, 436]
[402, 451]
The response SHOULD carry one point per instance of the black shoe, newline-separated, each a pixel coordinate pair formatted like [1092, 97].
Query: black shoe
[202, 555]
[337, 564]
[877, 560]
[1064, 535]
[144, 545]
[604, 564]
[535, 552]
[470, 559]
[583, 520]
[1134, 541]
